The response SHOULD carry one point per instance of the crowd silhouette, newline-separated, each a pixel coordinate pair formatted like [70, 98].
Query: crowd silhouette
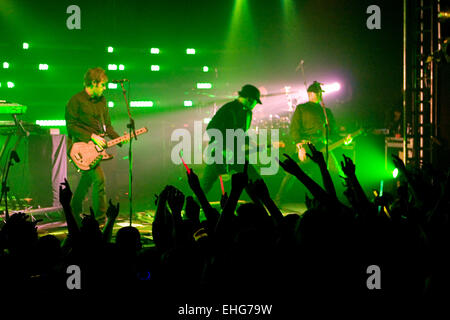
[252, 249]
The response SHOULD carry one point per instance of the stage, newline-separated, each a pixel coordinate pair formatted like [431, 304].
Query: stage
[54, 223]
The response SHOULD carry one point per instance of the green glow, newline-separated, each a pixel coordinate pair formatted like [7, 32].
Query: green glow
[154, 67]
[141, 104]
[154, 50]
[43, 66]
[110, 49]
[205, 69]
[205, 85]
[121, 67]
[5, 65]
[25, 45]
[112, 66]
[110, 104]
[190, 51]
[112, 85]
[51, 123]
[10, 84]
[241, 30]
[395, 173]
[187, 103]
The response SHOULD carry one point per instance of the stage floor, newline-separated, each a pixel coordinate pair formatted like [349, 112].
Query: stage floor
[55, 224]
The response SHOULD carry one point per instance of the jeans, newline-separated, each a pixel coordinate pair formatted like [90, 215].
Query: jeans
[96, 178]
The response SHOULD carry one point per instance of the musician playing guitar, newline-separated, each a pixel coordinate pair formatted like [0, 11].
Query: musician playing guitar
[308, 125]
[236, 115]
[87, 118]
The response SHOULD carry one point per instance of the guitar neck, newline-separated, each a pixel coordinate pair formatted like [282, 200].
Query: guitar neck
[342, 141]
[125, 138]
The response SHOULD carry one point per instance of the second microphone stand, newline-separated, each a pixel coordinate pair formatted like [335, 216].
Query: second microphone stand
[132, 134]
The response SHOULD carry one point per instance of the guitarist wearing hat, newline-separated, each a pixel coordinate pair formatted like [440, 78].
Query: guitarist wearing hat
[236, 115]
[308, 125]
[87, 119]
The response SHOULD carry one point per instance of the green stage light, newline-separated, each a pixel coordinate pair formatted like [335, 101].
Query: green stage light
[190, 51]
[5, 65]
[204, 85]
[112, 66]
[51, 123]
[10, 84]
[43, 66]
[110, 49]
[187, 103]
[110, 104]
[154, 50]
[154, 67]
[25, 45]
[141, 104]
[205, 69]
[395, 173]
[121, 67]
[112, 85]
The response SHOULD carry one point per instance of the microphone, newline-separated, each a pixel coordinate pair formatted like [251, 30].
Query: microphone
[20, 125]
[300, 65]
[15, 156]
[120, 81]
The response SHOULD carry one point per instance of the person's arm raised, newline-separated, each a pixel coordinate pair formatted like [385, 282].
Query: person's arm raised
[111, 216]
[317, 157]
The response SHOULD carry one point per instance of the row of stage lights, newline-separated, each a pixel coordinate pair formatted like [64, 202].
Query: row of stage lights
[113, 67]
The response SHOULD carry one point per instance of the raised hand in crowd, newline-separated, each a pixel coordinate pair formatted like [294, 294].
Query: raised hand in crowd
[175, 201]
[111, 215]
[348, 167]
[290, 166]
[316, 155]
[318, 158]
[65, 197]
[65, 194]
[163, 223]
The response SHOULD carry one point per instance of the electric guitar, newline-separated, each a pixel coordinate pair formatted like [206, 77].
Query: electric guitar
[347, 140]
[87, 155]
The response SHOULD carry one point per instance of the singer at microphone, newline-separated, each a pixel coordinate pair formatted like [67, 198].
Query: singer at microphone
[88, 119]
[120, 80]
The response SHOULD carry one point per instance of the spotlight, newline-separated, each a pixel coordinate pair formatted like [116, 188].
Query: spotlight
[25, 46]
[204, 85]
[154, 67]
[190, 51]
[154, 50]
[110, 49]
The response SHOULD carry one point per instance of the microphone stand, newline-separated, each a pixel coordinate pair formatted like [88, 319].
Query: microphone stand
[5, 188]
[132, 134]
[327, 129]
